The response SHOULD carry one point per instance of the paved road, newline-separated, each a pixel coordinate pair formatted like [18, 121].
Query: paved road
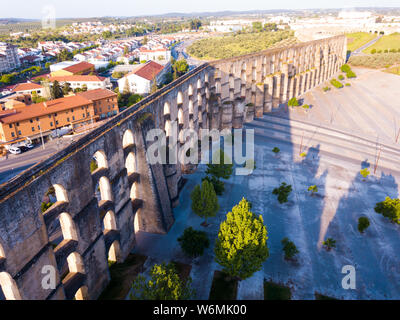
[179, 51]
[359, 50]
[16, 163]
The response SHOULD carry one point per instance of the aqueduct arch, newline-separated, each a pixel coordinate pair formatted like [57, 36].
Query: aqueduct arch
[134, 194]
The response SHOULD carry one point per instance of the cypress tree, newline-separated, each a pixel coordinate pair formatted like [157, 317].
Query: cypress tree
[204, 200]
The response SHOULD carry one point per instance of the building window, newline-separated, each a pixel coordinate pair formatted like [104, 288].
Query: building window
[49, 116]
[67, 119]
[73, 118]
[83, 115]
[17, 124]
[38, 127]
[51, 124]
[72, 110]
[19, 132]
[10, 125]
[37, 119]
[30, 120]
[88, 114]
[56, 122]
[33, 129]
[12, 134]
[55, 114]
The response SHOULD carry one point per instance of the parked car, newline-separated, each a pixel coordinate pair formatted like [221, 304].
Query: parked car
[24, 148]
[14, 150]
[29, 145]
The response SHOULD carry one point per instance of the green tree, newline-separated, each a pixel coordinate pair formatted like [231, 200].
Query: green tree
[276, 150]
[257, 26]
[204, 200]
[56, 91]
[289, 248]
[365, 173]
[145, 40]
[283, 192]
[241, 246]
[218, 185]
[390, 208]
[84, 88]
[193, 242]
[106, 34]
[221, 168]
[164, 284]
[66, 88]
[313, 189]
[363, 224]
[329, 244]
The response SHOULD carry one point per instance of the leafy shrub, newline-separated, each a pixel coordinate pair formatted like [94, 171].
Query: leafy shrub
[390, 208]
[375, 61]
[348, 85]
[276, 150]
[283, 192]
[341, 77]
[329, 244]
[305, 106]
[345, 68]
[351, 74]
[93, 166]
[293, 102]
[373, 51]
[164, 284]
[326, 89]
[313, 189]
[336, 84]
[303, 154]
[363, 224]
[289, 248]
[365, 172]
[45, 206]
[193, 242]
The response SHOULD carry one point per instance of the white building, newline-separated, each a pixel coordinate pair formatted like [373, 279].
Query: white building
[78, 81]
[9, 59]
[140, 80]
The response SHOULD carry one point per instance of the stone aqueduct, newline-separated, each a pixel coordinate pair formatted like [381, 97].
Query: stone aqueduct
[100, 211]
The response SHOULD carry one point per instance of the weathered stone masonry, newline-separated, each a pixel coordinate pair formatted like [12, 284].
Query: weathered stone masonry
[100, 211]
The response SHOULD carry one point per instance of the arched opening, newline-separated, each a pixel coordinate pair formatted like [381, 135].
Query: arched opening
[8, 287]
[134, 191]
[167, 109]
[55, 194]
[68, 227]
[130, 163]
[167, 128]
[191, 107]
[105, 189]
[179, 99]
[190, 90]
[114, 254]
[199, 84]
[127, 139]
[75, 263]
[109, 221]
[99, 161]
[180, 116]
[2, 252]
[82, 294]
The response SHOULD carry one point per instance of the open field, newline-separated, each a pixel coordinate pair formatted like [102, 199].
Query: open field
[236, 45]
[377, 60]
[387, 42]
[340, 134]
[358, 39]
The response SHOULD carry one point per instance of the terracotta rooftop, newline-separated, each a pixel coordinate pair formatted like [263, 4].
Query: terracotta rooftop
[27, 86]
[45, 108]
[148, 70]
[97, 94]
[79, 67]
[77, 78]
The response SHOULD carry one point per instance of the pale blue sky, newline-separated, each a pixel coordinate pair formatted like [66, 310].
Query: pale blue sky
[96, 8]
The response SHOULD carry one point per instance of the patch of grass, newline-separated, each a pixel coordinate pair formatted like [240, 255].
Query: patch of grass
[387, 42]
[394, 70]
[358, 39]
[319, 296]
[274, 291]
[223, 287]
[375, 61]
[122, 276]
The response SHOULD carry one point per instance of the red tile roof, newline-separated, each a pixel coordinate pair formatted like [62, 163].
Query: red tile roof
[45, 108]
[77, 78]
[27, 86]
[80, 67]
[97, 94]
[149, 70]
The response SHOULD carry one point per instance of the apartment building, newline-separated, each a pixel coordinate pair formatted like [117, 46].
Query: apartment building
[9, 59]
[41, 119]
[105, 102]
